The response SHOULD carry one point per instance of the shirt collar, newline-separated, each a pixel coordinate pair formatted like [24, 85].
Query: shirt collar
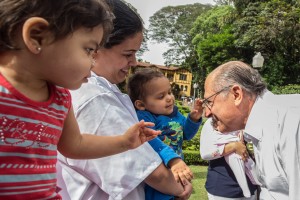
[99, 80]
[255, 122]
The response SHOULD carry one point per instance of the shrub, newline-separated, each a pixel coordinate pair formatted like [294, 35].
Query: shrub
[193, 158]
[194, 143]
[287, 89]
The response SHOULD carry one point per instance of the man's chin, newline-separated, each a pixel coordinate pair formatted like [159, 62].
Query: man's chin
[220, 127]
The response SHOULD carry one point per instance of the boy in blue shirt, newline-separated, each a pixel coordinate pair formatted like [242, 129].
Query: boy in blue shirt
[150, 92]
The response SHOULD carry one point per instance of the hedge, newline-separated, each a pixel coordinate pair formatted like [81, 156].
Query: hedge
[193, 158]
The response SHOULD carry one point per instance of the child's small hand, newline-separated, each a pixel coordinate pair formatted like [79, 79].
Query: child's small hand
[197, 111]
[181, 171]
[241, 149]
[139, 133]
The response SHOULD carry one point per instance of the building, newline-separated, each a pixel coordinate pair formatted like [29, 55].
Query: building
[181, 77]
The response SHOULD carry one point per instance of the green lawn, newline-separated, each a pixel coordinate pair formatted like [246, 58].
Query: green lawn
[199, 192]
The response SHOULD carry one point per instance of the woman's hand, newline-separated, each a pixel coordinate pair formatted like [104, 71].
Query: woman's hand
[188, 189]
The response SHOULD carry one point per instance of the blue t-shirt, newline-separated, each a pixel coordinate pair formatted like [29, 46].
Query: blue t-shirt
[175, 128]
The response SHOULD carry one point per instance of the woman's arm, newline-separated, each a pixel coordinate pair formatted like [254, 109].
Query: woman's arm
[163, 180]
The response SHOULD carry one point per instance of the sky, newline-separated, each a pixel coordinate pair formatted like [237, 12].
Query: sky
[146, 8]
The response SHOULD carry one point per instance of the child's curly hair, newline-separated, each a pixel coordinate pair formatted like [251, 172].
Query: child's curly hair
[137, 82]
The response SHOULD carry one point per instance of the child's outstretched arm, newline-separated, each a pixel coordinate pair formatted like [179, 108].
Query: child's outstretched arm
[197, 110]
[73, 144]
[193, 121]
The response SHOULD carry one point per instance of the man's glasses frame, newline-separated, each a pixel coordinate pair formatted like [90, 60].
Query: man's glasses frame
[209, 104]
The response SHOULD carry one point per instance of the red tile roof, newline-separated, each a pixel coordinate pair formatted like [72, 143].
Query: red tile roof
[144, 64]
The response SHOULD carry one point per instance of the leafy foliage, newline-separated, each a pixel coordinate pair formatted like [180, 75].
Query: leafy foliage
[214, 40]
[237, 32]
[273, 28]
[288, 89]
[171, 25]
[203, 36]
[193, 158]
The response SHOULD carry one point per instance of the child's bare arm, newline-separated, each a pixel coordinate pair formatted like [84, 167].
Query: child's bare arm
[238, 147]
[73, 144]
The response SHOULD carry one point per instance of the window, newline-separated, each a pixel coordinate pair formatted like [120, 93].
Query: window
[182, 77]
[170, 77]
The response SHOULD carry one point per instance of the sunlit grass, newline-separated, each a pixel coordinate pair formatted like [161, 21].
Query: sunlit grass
[199, 192]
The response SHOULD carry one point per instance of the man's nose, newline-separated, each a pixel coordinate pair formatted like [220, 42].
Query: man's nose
[207, 112]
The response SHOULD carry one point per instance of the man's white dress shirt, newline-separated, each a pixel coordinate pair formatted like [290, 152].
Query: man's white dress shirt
[274, 128]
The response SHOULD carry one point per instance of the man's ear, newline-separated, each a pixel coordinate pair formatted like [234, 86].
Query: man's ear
[237, 92]
[35, 33]
[139, 105]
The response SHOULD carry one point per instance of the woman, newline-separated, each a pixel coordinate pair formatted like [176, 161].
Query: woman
[102, 109]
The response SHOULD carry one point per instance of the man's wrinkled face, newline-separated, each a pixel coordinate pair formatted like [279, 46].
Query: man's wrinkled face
[220, 105]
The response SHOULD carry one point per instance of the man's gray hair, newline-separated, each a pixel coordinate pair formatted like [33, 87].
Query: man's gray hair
[238, 72]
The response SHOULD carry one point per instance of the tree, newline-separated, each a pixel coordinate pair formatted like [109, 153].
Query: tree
[213, 37]
[144, 46]
[272, 28]
[171, 25]
[214, 40]
[238, 32]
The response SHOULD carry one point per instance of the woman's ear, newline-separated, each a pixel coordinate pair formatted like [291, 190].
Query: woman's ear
[139, 105]
[35, 33]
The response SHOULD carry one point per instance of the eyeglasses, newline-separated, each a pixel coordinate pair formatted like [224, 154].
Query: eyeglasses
[209, 104]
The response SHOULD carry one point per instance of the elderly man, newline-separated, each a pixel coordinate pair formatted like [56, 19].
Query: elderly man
[236, 98]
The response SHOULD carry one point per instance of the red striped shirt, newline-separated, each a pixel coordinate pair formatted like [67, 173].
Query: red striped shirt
[29, 133]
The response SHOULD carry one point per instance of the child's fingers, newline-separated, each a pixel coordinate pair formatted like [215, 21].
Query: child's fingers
[189, 176]
[186, 176]
[176, 176]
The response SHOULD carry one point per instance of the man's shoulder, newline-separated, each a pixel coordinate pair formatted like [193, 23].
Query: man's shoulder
[285, 100]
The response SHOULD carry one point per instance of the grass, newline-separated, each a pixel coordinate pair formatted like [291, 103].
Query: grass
[199, 192]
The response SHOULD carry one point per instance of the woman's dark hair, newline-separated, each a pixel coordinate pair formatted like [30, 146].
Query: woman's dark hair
[137, 82]
[63, 16]
[126, 23]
